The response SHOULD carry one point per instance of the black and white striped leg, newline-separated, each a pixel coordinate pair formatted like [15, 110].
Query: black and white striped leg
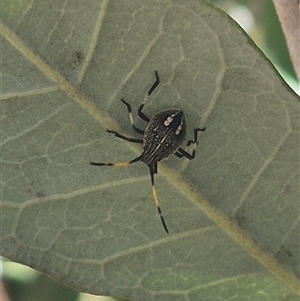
[136, 129]
[153, 170]
[125, 138]
[118, 164]
[140, 110]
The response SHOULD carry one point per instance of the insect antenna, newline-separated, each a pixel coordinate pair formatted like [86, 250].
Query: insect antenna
[153, 170]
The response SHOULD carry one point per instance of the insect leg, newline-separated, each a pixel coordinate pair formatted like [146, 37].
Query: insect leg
[153, 170]
[131, 117]
[140, 113]
[125, 138]
[195, 141]
[179, 154]
[182, 153]
[117, 164]
[153, 86]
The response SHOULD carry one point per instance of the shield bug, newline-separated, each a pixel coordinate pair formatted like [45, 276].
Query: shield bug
[162, 137]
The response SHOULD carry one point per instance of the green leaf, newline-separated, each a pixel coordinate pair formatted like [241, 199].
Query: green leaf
[232, 212]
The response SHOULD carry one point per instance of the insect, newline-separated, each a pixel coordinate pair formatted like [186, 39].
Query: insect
[163, 137]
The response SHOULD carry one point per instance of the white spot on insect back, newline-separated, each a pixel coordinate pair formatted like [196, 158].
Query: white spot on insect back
[178, 130]
[168, 121]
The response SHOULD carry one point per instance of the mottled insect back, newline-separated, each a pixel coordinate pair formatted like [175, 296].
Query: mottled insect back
[163, 137]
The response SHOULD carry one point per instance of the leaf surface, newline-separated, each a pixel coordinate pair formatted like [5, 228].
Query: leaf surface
[232, 212]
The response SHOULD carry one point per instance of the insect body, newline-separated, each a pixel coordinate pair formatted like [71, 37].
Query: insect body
[163, 136]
